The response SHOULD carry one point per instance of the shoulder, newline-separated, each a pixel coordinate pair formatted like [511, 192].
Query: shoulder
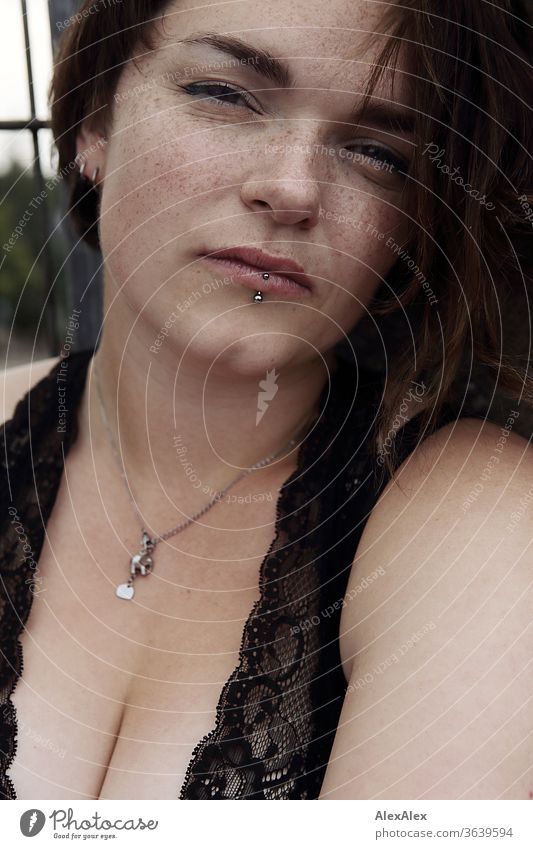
[434, 629]
[463, 452]
[16, 381]
[457, 491]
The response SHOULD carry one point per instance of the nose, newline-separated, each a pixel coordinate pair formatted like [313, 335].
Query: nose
[285, 187]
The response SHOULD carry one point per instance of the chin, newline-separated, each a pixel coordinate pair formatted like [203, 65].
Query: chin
[248, 358]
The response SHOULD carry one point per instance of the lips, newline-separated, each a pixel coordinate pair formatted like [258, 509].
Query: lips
[264, 262]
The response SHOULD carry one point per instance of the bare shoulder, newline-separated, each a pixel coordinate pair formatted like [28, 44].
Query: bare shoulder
[458, 448]
[456, 471]
[16, 381]
[435, 630]
[465, 485]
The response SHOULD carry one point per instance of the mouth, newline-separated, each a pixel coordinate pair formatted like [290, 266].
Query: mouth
[248, 265]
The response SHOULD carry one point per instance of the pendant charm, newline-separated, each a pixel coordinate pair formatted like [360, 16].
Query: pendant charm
[125, 591]
[140, 563]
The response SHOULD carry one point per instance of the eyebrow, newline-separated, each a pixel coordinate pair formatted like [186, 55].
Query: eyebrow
[260, 60]
[384, 115]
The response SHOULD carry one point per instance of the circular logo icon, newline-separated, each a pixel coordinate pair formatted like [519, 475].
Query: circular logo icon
[31, 822]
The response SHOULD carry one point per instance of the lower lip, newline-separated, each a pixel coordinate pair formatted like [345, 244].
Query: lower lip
[251, 277]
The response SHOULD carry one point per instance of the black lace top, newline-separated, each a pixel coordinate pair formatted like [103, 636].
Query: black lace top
[278, 712]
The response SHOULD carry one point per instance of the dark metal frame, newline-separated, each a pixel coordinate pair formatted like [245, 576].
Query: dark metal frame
[84, 264]
[34, 125]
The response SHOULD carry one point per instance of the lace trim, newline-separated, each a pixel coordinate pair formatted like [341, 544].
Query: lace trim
[28, 489]
[283, 752]
[274, 756]
[259, 605]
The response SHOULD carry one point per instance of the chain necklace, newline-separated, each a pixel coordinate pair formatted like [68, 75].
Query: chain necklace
[142, 563]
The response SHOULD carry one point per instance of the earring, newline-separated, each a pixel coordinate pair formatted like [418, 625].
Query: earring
[83, 175]
[258, 297]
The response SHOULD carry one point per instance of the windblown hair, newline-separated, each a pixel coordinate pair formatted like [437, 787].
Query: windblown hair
[458, 292]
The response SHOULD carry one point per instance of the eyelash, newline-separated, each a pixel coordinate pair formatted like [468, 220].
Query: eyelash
[398, 164]
[229, 91]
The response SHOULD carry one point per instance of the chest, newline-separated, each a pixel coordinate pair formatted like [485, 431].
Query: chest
[111, 703]
[115, 695]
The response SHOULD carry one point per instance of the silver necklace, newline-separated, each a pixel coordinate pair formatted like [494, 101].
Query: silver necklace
[142, 563]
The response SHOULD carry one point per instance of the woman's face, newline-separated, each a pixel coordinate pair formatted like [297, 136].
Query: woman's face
[283, 167]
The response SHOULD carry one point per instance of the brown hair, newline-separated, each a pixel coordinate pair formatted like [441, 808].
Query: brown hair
[471, 248]
[461, 282]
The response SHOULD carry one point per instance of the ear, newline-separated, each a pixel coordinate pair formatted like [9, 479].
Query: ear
[90, 150]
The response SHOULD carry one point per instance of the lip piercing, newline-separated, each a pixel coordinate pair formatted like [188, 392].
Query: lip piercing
[258, 297]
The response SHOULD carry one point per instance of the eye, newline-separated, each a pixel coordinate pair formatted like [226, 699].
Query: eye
[378, 157]
[223, 98]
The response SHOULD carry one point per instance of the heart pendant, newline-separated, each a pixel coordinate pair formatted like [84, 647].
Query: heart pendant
[125, 591]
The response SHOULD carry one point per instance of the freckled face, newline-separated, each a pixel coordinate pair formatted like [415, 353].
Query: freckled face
[205, 153]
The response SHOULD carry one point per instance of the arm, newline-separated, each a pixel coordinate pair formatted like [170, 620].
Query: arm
[440, 698]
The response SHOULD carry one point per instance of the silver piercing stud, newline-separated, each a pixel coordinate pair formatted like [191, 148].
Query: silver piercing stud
[95, 174]
[258, 297]
[82, 168]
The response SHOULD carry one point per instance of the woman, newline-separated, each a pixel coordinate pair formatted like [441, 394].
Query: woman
[253, 208]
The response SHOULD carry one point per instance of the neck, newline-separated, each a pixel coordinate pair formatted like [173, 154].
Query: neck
[184, 430]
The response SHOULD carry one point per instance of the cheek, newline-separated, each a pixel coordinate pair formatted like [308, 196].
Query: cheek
[358, 229]
[154, 193]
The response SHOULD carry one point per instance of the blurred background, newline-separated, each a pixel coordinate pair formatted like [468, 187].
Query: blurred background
[43, 270]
